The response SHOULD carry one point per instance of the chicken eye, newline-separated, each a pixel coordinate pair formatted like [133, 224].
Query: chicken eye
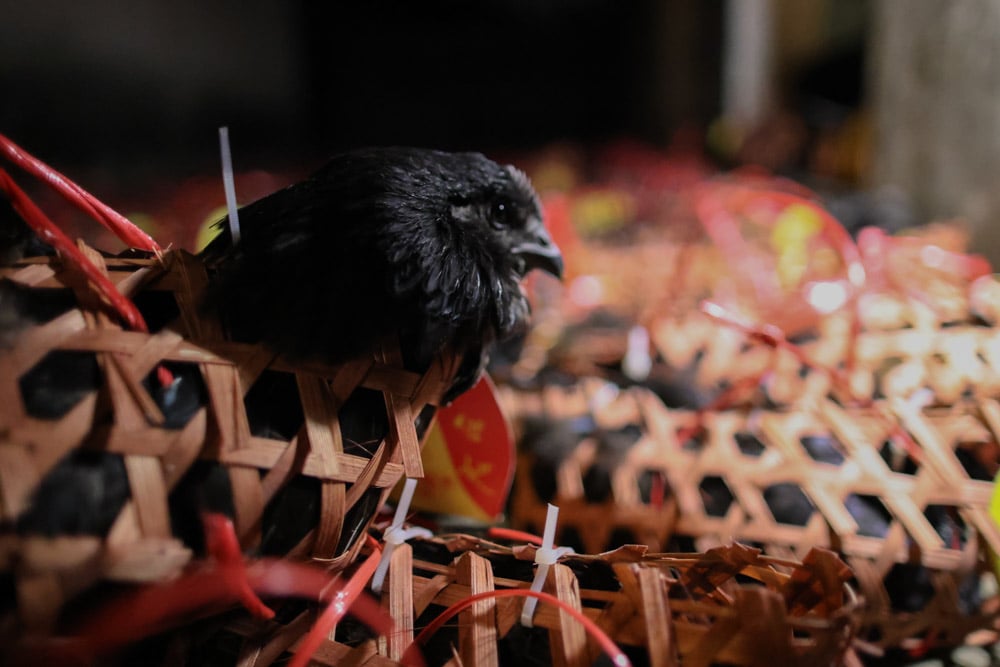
[501, 214]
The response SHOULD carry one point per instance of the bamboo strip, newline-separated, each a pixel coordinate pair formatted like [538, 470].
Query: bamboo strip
[477, 638]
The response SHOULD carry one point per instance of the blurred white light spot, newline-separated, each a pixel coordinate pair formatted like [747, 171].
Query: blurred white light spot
[637, 362]
[856, 274]
[932, 256]
[603, 397]
[587, 291]
[827, 297]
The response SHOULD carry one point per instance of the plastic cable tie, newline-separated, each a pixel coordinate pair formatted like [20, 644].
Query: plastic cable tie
[638, 362]
[920, 399]
[229, 184]
[545, 556]
[395, 534]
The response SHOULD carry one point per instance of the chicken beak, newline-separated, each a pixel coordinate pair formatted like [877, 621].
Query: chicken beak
[539, 252]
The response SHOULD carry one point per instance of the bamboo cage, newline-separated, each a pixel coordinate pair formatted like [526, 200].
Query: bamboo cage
[119, 416]
[932, 531]
[900, 386]
[903, 347]
[919, 320]
[730, 605]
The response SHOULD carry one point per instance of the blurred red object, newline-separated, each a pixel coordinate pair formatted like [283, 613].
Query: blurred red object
[791, 261]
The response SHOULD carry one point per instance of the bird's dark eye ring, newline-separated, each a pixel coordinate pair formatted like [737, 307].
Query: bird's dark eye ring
[501, 213]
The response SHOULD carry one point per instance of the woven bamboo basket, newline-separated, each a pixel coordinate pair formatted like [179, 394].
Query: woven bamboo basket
[903, 347]
[914, 527]
[919, 320]
[121, 417]
[730, 605]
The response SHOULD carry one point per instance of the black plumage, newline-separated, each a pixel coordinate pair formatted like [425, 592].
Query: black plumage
[420, 244]
[424, 246]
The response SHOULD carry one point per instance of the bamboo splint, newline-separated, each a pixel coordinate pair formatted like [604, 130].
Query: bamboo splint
[121, 417]
[947, 361]
[720, 483]
[677, 609]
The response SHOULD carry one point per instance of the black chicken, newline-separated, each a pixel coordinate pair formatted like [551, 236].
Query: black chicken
[424, 245]
[380, 245]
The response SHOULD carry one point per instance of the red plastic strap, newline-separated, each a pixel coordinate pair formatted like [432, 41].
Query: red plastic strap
[343, 599]
[156, 608]
[222, 543]
[773, 336]
[501, 533]
[51, 234]
[121, 226]
[617, 656]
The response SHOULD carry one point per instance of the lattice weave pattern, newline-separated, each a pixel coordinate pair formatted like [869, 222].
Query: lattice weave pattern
[121, 417]
[792, 480]
[678, 607]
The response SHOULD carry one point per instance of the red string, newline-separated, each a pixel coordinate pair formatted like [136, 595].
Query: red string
[206, 590]
[513, 535]
[64, 246]
[772, 335]
[715, 203]
[618, 657]
[51, 234]
[657, 489]
[151, 610]
[344, 598]
[222, 544]
[121, 226]
[876, 246]
[926, 644]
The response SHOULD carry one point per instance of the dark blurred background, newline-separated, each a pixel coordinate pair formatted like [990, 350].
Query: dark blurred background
[859, 93]
[146, 83]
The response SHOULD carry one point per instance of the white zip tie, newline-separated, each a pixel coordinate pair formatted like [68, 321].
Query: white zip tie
[920, 399]
[637, 363]
[229, 184]
[395, 534]
[545, 557]
[603, 397]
